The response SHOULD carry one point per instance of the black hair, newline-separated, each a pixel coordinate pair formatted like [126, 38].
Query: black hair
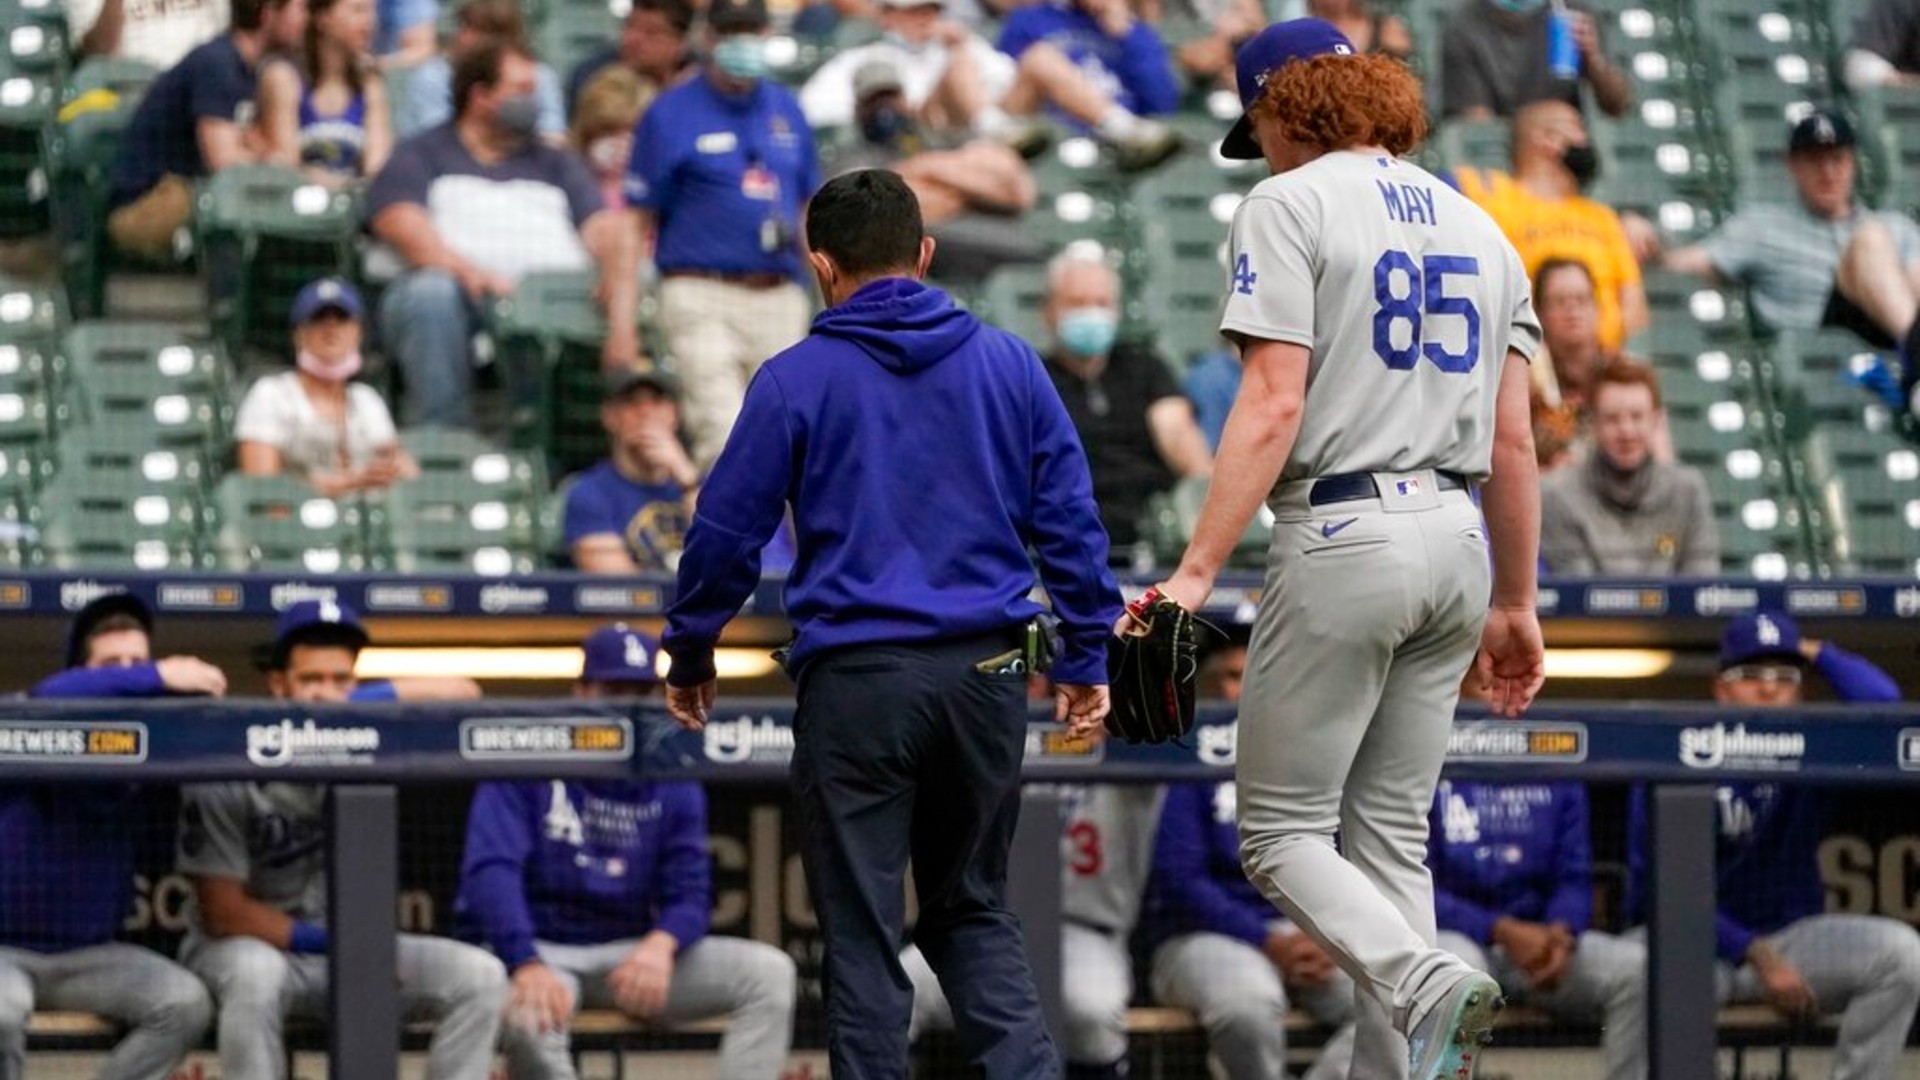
[867, 222]
[250, 14]
[275, 656]
[480, 66]
[678, 13]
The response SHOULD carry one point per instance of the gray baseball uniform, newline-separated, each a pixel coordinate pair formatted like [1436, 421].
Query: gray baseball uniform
[272, 838]
[1107, 852]
[1410, 299]
[165, 1009]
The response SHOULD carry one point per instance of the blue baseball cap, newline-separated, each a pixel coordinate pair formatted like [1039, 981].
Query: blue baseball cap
[619, 653]
[1763, 635]
[326, 294]
[316, 622]
[1267, 52]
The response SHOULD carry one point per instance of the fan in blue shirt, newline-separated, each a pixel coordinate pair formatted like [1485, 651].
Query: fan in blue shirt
[1775, 941]
[598, 893]
[66, 879]
[1121, 55]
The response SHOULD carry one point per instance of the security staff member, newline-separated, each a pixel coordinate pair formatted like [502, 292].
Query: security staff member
[922, 452]
[722, 165]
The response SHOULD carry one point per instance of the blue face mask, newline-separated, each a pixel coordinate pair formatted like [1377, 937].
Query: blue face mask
[1088, 331]
[743, 56]
[1521, 7]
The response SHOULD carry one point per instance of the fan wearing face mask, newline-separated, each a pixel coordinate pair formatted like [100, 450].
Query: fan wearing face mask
[315, 422]
[1541, 209]
[1138, 429]
[1498, 56]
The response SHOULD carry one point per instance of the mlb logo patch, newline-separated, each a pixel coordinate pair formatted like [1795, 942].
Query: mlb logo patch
[1407, 487]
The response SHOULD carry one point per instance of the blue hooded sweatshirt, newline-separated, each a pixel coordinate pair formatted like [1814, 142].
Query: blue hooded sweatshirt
[1198, 884]
[923, 452]
[1766, 865]
[1518, 850]
[585, 862]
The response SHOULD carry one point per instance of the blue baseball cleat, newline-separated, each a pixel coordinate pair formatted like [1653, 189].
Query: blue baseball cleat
[1445, 1044]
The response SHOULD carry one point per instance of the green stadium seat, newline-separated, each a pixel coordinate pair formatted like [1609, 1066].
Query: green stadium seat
[36, 313]
[460, 526]
[1868, 487]
[1167, 525]
[459, 456]
[279, 523]
[1013, 300]
[103, 351]
[36, 38]
[121, 452]
[27, 101]
[574, 30]
[275, 231]
[1810, 373]
[80, 151]
[551, 330]
[1476, 144]
[100, 520]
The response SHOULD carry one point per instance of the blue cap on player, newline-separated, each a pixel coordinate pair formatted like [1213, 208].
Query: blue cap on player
[621, 654]
[1763, 635]
[316, 622]
[326, 294]
[1267, 52]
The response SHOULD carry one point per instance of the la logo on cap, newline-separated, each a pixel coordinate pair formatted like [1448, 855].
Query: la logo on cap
[329, 290]
[1766, 631]
[329, 611]
[1343, 50]
[636, 652]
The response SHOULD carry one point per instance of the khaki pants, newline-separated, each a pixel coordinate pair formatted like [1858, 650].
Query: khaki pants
[719, 334]
[147, 225]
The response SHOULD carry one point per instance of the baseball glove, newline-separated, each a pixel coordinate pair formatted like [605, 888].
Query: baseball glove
[1153, 669]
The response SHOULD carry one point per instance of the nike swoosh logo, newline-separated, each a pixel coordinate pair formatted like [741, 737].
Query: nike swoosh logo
[1332, 527]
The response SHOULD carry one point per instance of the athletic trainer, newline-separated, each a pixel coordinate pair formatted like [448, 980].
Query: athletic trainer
[1385, 328]
[922, 454]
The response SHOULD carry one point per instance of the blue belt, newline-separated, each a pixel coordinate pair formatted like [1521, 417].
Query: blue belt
[1347, 487]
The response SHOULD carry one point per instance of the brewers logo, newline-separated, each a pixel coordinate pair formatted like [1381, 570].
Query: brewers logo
[53, 740]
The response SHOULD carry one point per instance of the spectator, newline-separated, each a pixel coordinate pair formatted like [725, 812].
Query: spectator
[977, 176]
[196, 119]
[723, 165]
[256, 855]
[404, 31]
[1567, 303]
[602, 132]
[470, 207]
[598, 893]
[1121, 56]
[1775, 941]
[1540, 208]
[1623, 511]
[427, 99]
[1826, 260]
[325, 109]
[1513, 895]
[1219, 948]
[1210, 57]
[630, 512]
[1494, 60]
[315, 422]
[1886, 46]
[1211, 385]
[66, 882]
[956, 85]
[157, 34]
[652, 47]
[1139, 432]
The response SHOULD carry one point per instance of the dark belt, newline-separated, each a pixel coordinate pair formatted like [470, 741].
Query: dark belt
[1347, 487]
[768, 280]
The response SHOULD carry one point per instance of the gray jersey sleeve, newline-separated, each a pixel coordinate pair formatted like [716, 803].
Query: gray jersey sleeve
[1271, 292]
[214, 819]
[1523, 331]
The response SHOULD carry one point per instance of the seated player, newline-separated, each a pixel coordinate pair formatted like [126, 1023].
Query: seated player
[598, 893]
[66, 876]
[1775, 942]
[256, 854]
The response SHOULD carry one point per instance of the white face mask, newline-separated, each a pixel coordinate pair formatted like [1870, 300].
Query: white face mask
[338, 370]
[609, 153]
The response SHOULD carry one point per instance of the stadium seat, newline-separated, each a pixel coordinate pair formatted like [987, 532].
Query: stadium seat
[459, 525]
[29, 312]
[171, 358]
[1868, 487]
[116, 452]
[279, 523]
[106, 520]
[1476, 144]
[550, 333]
[455, 455]
[264, 232]
[80, 150]
[1167, 525]
[27, 101]
[1013, 299]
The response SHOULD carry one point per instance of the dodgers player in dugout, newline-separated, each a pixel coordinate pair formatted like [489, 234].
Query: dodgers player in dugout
[1775, 939]
[256, 854]
[923, 452]
[599, 892]
[1385, 329]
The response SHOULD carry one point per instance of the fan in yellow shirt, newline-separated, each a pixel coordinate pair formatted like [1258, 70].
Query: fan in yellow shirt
[1540, 209]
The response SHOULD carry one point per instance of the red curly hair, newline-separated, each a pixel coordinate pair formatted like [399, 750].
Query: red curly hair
[1334, 102]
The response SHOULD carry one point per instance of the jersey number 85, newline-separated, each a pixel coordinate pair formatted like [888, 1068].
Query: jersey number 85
[1409, 291]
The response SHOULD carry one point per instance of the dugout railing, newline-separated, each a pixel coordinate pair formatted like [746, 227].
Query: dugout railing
[1680, 752]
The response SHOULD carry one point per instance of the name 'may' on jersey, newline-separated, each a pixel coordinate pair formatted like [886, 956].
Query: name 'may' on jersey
[1409, 297]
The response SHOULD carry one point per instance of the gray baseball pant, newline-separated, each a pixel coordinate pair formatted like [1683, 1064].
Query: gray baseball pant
[750, 983]
[1098, 983]
[257, 986]
[1372, 611]
[165, 1009]
[1239, 997]
[1606, 982]
[1864, 967]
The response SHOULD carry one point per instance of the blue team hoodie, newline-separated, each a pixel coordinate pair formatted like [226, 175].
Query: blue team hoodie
[584, 862]
[1766, 866]
[1518, 850]
[923, 452]
[1198, 884]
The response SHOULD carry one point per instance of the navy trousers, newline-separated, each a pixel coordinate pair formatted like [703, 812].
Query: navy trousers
[907, 752]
